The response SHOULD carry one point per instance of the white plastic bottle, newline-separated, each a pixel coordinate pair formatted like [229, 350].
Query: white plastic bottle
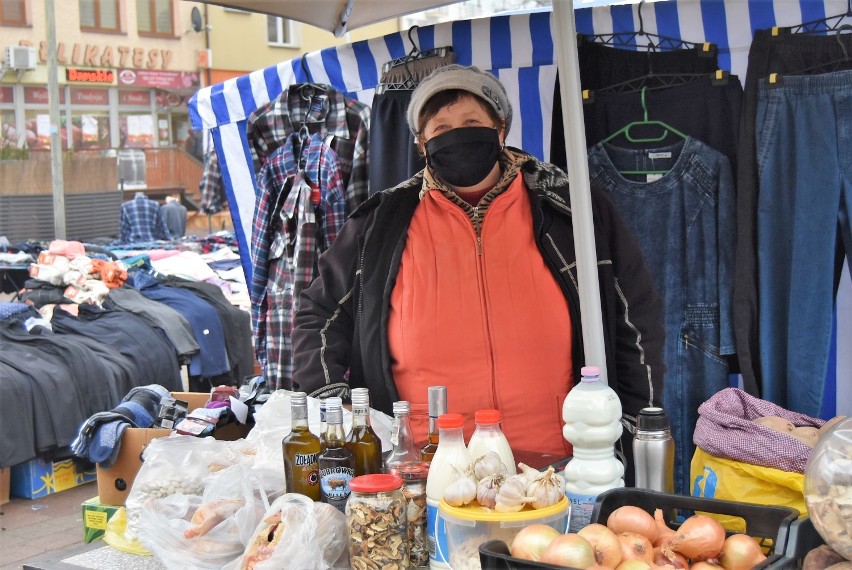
[592, 415]
[489, 437]
[451, 456]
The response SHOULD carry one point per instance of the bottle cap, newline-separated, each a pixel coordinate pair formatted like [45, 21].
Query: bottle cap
[298, 398]
[333, 403]
[437, 400]
[652, 419]
[401, 407]
[450, 421]
[375, 483]
[487, 416]
[360, 397]
[590, 373]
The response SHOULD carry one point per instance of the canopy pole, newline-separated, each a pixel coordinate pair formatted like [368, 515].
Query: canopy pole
[578, 178]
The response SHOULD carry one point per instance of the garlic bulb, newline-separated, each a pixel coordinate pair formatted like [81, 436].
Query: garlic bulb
[547, 489]
[460, 492]
[488, 464]
[511, 497]
[529, 474]
[487, 488]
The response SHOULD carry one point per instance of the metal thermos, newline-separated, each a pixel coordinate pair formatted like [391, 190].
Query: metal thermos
[653, 451]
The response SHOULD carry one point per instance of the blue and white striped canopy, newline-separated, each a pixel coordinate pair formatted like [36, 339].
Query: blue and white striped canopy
[519, 49]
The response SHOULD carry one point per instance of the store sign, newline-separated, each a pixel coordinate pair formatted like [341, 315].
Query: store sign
[38, 95]
[74, 75]
[6, 95]
[89, 97]
[159, 79]
[94, 55]
[138, 98]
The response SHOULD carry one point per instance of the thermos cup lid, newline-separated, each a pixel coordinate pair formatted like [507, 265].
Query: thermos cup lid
[652, 419]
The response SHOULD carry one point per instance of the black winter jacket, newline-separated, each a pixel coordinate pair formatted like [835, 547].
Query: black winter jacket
[343, 316]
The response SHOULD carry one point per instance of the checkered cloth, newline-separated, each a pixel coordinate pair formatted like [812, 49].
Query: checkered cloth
[141, 221]
[726, 429]
[211, 186]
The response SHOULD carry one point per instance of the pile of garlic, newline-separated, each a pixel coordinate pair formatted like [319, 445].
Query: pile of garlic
[488, 482]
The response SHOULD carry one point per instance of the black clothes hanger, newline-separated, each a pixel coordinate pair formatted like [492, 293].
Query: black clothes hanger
[652, 42]
[653, 81]
[307, 92]
[841, 63]
[829, 24]
[405, 73]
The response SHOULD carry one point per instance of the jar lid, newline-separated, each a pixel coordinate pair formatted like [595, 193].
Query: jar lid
[449, 421]
[375, 483]
[652, 419]
[487, 416]
[411, 471]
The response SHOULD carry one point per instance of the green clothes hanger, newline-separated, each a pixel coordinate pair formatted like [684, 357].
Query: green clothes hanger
[667, 129]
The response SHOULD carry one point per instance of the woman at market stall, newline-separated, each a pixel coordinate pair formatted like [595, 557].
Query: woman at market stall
[465, 276]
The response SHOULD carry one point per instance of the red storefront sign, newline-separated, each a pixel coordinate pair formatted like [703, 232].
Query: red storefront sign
[159, 79]
[90, 97]
[138, 98]
[74, 75]
[6, 95]
[38, 95]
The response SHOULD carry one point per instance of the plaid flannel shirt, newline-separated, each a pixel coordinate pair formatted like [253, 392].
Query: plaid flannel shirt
[322, 110]
[211, 186]
[140, 221]
[299, 214]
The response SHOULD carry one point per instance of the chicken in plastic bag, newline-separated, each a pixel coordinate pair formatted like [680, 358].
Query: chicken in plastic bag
[297, 534]
[179, 464]
[206, 532]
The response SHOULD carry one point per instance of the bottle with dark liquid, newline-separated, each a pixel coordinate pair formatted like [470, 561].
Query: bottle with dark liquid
[301, 451]
[323, 423]
[336, 464]
[437, 407]
[362, 441]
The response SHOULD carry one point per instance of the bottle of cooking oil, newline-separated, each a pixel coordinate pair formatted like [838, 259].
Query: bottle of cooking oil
[363, 442]
[336, 464]
[301, 451]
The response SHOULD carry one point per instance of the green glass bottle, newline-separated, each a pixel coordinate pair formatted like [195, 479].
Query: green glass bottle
[336, 465]
[365, 445]
[301, 451]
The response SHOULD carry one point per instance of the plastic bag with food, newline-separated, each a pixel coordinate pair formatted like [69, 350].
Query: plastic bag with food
[297, 534]
[205, 531]
[179, 464]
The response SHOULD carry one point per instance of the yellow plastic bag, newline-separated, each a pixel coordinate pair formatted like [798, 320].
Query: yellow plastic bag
[115, 535]
[717, 478]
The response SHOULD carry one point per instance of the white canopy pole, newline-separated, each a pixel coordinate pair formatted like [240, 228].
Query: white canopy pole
[578, 177]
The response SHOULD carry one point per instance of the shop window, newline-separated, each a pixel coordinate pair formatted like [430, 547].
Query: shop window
[279, 31]
[99, 16]
[13, 13]
[8, 132]
[136, 130]
[155, 17]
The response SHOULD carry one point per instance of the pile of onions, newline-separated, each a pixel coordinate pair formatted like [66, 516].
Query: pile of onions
[699, 538]
[740, 552]
[633, 519]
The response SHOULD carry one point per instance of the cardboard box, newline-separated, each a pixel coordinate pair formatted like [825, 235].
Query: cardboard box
[194, 400]
[114, 484]
[5, 479]
[95, 519]
[38, 478]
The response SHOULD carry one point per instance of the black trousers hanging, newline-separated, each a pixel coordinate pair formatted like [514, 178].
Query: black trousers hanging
[393, 155]
[785, 53]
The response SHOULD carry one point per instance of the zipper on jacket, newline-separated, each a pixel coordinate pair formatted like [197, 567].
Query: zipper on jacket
[483, 297]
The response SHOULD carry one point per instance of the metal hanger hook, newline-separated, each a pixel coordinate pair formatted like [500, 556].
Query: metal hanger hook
[840, 29]
[644, 103]
[641, 30]
[415, 47]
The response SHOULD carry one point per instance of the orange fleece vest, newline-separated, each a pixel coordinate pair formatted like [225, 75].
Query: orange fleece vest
[486, 319]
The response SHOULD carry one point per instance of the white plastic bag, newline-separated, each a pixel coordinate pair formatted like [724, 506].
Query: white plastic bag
[297, 534]
[208, 531]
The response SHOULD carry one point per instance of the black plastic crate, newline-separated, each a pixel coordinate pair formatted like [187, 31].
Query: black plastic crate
[803, 538]
[770, 524]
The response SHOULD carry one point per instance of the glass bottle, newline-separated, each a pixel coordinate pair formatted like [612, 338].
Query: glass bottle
[301, 451]
[402, 438]
[323, 423]
[489, 437]
[336, 464]
[437, 407]
[362, 441]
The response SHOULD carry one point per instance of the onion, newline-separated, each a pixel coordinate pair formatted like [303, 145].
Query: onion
[633, 565]
[698, 538]
[679, 561]
[705, 566]
[740, 552]
[636, 547]
[632, 519]
[599, 567]
[569, 550]
[531, 541]
[663, 530]
[605, 544]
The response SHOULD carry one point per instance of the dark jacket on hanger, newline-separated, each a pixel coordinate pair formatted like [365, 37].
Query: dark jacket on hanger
[357, 276]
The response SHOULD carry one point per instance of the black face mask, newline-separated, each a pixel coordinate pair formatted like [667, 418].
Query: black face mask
[463, 157]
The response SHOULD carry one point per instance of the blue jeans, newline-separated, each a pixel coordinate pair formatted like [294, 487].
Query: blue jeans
[804, 137]
[685, 225]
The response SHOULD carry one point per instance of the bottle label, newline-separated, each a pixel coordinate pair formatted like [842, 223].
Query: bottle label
[436, 530]
[304, 459]
[580, 511]
[360, 412]
[334, 486]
